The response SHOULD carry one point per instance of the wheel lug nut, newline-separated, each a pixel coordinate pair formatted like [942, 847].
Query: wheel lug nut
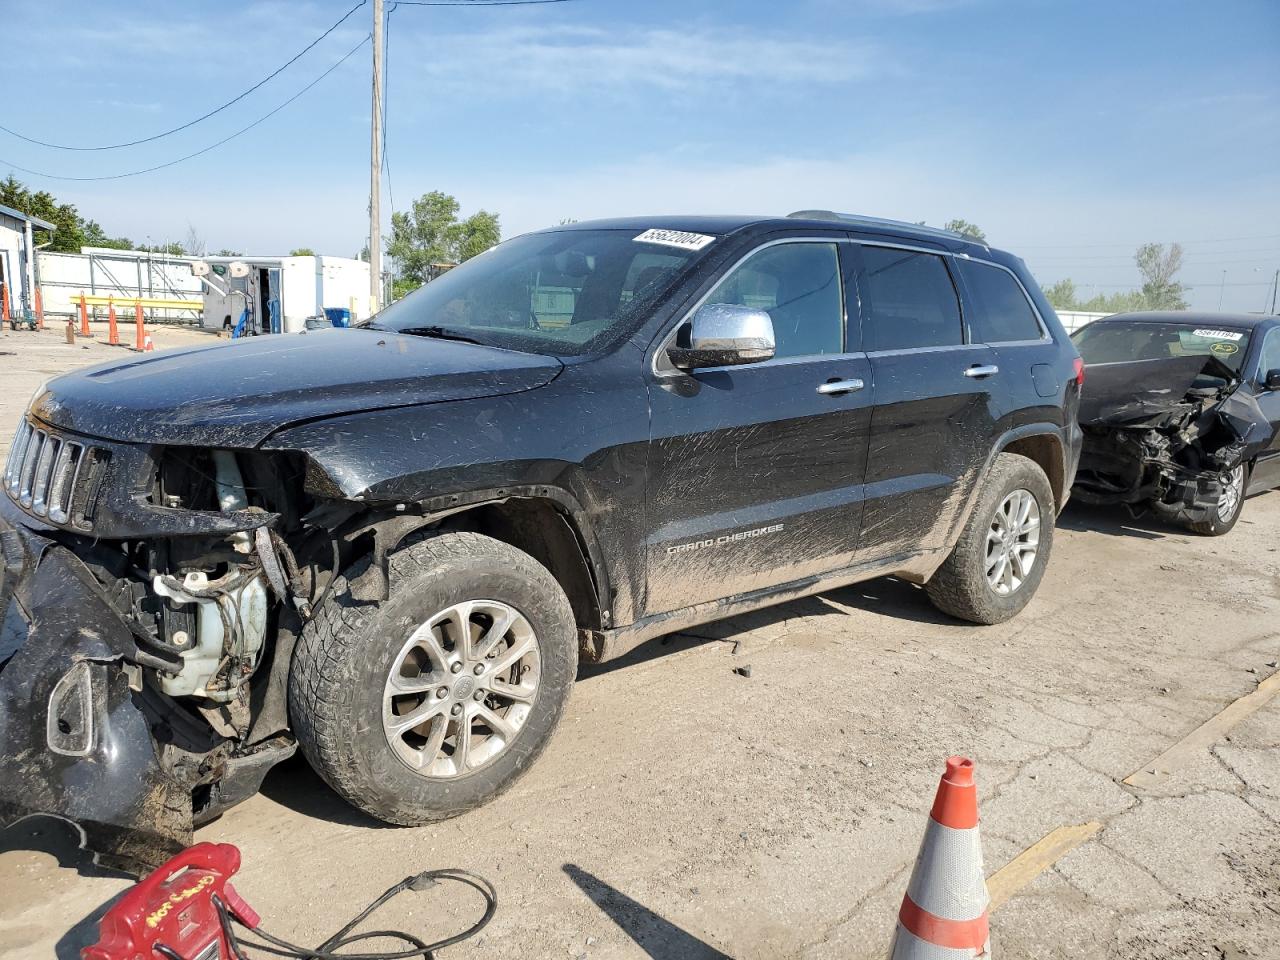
[479, 696]
[456, 668]
[442, 693]
[456, 709]
[479, 669]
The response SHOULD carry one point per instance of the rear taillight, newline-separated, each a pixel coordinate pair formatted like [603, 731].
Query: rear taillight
[1079, 364]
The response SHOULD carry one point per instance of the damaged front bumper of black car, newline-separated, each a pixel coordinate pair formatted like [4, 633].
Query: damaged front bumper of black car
[1166, 434]
[87, 735]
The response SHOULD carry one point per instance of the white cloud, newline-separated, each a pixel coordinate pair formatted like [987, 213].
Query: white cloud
[584, 59]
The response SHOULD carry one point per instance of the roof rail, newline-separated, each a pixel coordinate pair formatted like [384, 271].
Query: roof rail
[856, 219]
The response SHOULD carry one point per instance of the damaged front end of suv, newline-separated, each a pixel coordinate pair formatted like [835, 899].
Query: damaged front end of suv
[164, 544]
[139, 694]
[1173, 433]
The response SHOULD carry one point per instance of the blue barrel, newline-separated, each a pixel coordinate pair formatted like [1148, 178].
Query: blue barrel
[338, 316]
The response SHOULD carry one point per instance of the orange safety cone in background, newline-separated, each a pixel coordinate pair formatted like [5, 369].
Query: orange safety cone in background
[84, 317]
[944, 912]
[147, 345]
[39, 310]
[113, 335]
[139, 332]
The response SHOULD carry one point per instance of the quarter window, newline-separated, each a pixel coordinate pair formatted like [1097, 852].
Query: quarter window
[908, 300]
[1004, 313]
[799, 285]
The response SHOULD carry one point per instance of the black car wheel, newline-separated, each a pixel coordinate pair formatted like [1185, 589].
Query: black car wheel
[1230, 504]
[436, 700]
[997, 564]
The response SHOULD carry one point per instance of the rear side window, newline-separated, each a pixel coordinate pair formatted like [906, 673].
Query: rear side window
[1003, 313]
[908, 300]
[799, 285]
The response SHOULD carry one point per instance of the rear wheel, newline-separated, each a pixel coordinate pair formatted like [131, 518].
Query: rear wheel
[1230, 504]
[999, 560]
[436, 700]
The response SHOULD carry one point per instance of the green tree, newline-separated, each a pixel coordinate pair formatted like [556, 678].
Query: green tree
[71, 231]
[302, 252]
[966, 228]
[1062, 295]
[1158, 268]
[431, 233]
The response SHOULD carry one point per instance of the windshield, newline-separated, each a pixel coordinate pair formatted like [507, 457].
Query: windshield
[559, 293]
[1117, 341]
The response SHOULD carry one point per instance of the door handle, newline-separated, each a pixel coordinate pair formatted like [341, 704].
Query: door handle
[978, 371]
[841, 386]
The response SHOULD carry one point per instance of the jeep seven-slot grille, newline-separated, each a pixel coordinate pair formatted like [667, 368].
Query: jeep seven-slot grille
[53, 477]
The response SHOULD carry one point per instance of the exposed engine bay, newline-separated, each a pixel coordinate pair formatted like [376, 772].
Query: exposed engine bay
[1166, 432]
[143, 676]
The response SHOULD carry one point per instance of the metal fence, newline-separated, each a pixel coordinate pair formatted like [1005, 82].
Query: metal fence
[126, 275]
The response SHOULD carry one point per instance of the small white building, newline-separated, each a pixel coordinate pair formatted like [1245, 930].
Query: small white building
[279, 294]
[17, 259]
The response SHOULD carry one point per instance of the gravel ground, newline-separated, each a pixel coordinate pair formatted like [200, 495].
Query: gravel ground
[687, 811]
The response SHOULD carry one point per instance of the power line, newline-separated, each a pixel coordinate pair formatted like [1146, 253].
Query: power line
[190, 123]
[190, 156]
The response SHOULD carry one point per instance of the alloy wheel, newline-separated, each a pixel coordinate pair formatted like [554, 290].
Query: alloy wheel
[461, 688]
[1232, 493]
[1013, 542]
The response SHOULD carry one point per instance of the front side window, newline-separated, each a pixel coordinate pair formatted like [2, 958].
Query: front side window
[1121, 341]
[1270, 359]
[560, 293]
[1004, 314]
[908, 300]
[799, 285]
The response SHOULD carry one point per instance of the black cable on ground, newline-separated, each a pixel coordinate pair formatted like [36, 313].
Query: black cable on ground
[278, 946]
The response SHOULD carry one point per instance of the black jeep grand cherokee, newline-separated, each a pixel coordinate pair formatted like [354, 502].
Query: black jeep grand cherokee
[392, 544]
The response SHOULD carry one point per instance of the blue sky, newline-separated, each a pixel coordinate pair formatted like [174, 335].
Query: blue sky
[1070, 131]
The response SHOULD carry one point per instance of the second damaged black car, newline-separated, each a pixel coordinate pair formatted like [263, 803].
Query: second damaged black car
[1181, 413]
[391, 545]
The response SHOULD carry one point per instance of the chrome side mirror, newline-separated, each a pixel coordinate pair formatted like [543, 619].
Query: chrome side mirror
[723, 335]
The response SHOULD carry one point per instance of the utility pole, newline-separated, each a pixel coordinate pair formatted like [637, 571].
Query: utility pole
[375, 168]
[1275, 287]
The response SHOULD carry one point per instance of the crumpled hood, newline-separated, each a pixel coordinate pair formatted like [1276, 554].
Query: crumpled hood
[1139, 391]
[235, 394]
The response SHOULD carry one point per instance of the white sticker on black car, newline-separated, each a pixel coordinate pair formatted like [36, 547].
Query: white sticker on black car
[1218, 334]
[675, 238]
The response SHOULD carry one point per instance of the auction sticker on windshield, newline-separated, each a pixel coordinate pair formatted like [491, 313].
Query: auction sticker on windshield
[1218, 334]
[675, 238]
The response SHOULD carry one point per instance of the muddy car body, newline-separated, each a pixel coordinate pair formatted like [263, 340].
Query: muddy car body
[391, 544]
[1180, 413]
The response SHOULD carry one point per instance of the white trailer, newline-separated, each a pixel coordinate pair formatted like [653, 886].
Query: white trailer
[279, 294]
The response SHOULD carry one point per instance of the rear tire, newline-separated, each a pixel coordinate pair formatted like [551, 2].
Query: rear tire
[963, 586]
[1222, 519]
[361, 671]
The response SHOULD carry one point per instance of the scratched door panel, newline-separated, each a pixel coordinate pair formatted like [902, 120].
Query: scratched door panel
[755, 478]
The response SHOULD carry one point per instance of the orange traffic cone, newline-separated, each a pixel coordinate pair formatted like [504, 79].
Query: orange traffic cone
[944, 912]
[147, 345]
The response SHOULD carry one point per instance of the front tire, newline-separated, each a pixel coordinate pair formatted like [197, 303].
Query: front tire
[436, 700]
[997, 564]
[1229, 507]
